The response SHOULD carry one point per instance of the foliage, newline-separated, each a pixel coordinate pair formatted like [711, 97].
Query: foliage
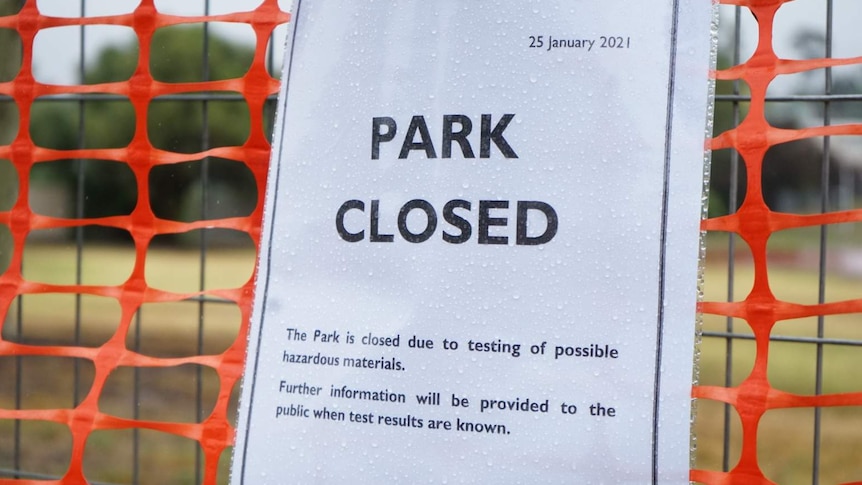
[792, 173]
[186, 54]
[178, 125]
[726, 116]
[10, 64]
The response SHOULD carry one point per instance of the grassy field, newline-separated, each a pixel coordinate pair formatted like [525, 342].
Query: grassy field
[786, 437]
[170, 329]
[159, 330]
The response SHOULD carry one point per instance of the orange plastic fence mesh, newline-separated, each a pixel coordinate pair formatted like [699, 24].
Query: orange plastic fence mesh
[214, 433]
[755, 223]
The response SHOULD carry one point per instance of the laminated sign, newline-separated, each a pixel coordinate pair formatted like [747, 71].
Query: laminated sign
[480, 248]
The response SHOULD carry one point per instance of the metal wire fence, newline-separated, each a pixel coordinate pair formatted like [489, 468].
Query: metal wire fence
[789, 442]
[128, 264]
[124, 325]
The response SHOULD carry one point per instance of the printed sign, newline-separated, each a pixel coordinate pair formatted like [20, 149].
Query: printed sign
[480, 247]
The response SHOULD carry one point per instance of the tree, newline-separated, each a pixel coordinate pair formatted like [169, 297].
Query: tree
[175, 125]
[721, 169]
[10, 64]
[791, 172]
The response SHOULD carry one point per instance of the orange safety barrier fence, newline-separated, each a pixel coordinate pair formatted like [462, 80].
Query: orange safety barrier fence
[754, 222]
[214, 433]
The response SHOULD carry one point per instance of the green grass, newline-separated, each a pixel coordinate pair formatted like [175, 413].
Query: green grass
[785, 437]
[163, 329]
[159, 330]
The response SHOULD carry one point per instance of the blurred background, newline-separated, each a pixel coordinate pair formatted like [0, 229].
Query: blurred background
[108, 53]
[807, 265]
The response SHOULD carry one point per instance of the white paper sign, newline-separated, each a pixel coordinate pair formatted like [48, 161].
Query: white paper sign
[480, 248]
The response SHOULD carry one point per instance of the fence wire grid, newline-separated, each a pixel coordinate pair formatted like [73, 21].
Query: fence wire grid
[128, 238]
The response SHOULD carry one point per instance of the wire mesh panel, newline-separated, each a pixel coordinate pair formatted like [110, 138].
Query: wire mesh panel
[131, 205]
[130, 208]
[779, 395]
